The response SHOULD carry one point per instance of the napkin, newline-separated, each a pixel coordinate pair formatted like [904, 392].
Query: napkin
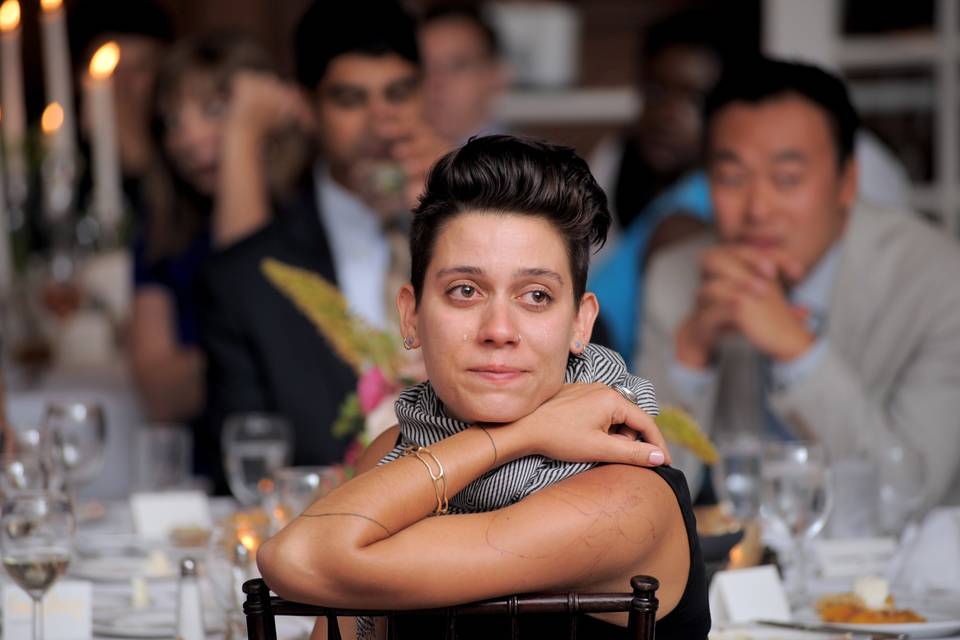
[930, 557]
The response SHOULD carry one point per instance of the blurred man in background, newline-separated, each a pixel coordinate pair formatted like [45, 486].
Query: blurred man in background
[360, 66]
[464, 74]
[810, 313]
[652, 173]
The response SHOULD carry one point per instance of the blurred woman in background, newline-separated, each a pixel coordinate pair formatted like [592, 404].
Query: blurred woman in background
[207, 87]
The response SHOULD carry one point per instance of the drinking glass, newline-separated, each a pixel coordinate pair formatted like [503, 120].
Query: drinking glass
[738, 479]
[27, 463]
[164, 453]
[298, 487]
[255, 445]
[78, 433]
[796, 500]
[36, 538]
[902, 481]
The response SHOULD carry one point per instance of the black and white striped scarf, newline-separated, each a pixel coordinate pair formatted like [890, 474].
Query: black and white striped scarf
[423, 422]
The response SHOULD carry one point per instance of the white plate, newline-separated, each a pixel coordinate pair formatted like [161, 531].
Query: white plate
[938, 625]
[144, 623]
[116, 569]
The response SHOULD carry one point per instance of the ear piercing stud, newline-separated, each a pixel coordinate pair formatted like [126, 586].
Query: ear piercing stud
[408, 343]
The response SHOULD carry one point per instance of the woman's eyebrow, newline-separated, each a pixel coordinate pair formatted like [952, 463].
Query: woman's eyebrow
[462, 270]
[540, 272]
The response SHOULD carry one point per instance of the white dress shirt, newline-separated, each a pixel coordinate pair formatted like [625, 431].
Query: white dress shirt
[361, 254]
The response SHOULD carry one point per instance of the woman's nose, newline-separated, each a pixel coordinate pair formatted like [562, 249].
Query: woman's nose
[496, 325]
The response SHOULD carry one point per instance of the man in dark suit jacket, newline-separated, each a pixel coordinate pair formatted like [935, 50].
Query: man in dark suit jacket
[360, 65]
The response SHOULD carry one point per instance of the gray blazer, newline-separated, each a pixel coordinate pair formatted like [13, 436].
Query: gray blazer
[892, 365]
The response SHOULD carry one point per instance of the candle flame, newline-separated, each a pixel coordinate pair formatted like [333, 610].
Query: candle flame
[9, 15]
[52, 118]
[249, 541]
[104, 60]
[50, 6]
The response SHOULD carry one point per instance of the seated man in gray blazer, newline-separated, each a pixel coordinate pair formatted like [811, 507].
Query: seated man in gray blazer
[808, 314]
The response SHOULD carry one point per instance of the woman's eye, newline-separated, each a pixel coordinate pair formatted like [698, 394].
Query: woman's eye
[463, 291]
[538, 297]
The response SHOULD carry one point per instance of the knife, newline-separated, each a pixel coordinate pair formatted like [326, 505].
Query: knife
[850, 633]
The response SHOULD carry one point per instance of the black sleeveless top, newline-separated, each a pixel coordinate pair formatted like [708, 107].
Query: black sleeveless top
[689, 620]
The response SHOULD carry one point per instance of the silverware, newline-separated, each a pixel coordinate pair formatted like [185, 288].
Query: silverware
[829, 628]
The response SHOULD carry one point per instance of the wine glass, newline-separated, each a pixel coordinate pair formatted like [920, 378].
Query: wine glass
[902, 481]
[796, 500]
[78, 433]
[298, 487]
[255, 445]
[27, 463]
[738, 478]
[36, 538]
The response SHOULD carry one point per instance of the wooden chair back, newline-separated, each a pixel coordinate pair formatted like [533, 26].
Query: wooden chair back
[641, 604]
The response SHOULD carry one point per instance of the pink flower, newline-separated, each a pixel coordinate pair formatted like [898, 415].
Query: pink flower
[372, 388]
[353, 453]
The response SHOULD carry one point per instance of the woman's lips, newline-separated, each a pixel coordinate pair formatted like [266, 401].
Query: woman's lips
[497, 373]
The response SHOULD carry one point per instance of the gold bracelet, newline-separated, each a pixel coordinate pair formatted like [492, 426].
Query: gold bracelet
[439, 478]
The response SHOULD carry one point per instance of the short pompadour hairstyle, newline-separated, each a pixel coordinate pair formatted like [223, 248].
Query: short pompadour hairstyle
[516, 176]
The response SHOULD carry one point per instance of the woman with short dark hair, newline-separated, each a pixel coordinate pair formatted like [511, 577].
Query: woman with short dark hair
[518, 417]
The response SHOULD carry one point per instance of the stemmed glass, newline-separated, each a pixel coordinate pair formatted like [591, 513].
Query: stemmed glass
[36, 539]
[255, 445]
[299, 487]
[738, 480]
[902, 481]
[796, 500]
[78, 435]
[27, 463]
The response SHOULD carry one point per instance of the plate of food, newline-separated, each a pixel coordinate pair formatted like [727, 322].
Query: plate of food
[870, 608]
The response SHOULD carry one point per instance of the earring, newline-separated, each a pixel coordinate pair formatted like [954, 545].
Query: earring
[408, 342]
[577, 345]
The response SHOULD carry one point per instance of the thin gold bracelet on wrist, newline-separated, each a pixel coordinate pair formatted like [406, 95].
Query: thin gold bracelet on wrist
[439, 477]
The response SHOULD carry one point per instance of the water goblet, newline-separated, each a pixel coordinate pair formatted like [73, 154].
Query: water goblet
[796, 500]
[255, 445]
[36, 540]
[902, 481]
[738, 479]
[27, 463]
[78, 433]
[298, 487]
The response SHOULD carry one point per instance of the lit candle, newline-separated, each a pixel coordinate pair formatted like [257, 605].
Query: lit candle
[249, 540]
[11, 94]
[52, 123]
[98, 93]
[56, 68]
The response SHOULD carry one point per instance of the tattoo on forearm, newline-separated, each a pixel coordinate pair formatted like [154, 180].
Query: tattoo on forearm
[492, 443]
[346, 513]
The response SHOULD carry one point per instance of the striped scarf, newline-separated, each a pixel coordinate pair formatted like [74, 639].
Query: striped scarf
[423, 422]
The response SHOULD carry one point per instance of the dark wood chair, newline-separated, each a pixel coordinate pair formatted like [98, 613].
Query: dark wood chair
[261, 610]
